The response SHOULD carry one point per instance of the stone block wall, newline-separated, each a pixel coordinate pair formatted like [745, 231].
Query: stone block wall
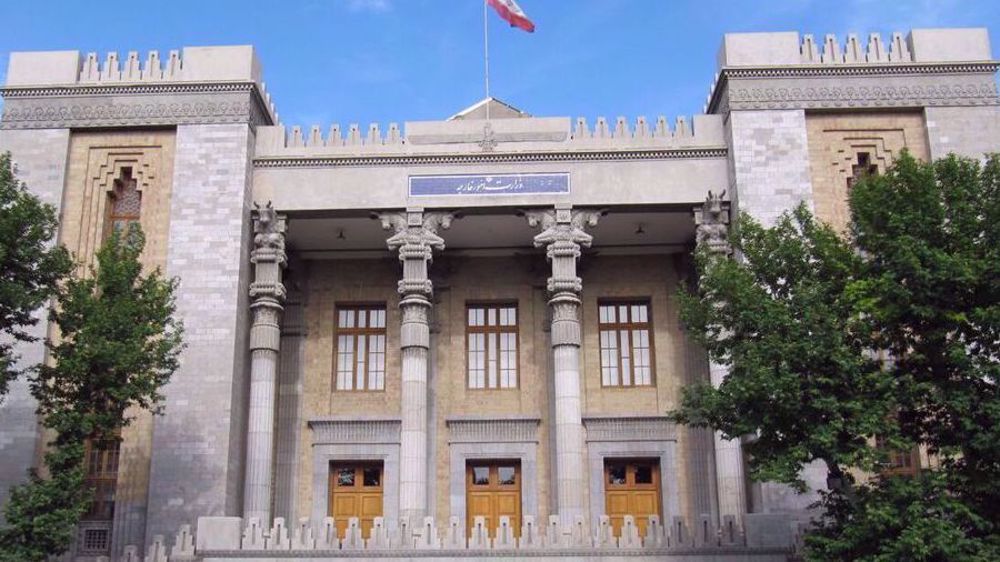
[198, 445]
[966, 131]
[40, 157]
[769, 155]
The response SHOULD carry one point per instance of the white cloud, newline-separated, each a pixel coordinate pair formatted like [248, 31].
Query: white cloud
[377, 6]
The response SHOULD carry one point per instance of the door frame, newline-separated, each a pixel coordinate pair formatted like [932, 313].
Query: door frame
[359, 490]
[664, 451]
[324, 455]
[491, 463]
[461, 453]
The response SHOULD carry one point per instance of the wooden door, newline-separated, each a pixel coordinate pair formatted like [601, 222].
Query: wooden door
[355, 491]
[492, 490]
[631, 487]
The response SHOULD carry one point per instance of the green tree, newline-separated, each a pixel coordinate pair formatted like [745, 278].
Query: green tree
[781, 317]
[118, 345]
[30, 265]
[931, 298]
[892, 330]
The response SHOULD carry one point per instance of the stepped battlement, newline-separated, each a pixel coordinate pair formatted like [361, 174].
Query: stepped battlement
[795, 65]
[45, 70]
[917, 46]
[559, 133]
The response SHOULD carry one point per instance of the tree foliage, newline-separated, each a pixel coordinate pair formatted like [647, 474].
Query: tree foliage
[891, 330]
[781, 317]
[30, 266]
[118, 345]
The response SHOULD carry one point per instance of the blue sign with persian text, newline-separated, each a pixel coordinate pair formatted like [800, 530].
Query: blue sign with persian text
[492, 184]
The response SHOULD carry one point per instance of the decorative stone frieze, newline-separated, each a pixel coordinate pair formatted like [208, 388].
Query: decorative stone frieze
[414, 237]
[630, 428]
[827, 87]
[331, 431]
[133, 106]
[493, 430]
[563, 235]
[267, 293]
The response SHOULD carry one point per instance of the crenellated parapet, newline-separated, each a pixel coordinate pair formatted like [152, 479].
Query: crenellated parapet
[925, 67]
[59, 89]
[547, 138]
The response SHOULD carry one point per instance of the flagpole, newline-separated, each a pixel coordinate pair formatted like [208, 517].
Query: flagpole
[486, 56]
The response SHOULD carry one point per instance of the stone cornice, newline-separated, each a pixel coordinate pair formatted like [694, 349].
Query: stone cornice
[865, 69]
[487, 158]
[169, 103]
[124, 89]
[855, 85]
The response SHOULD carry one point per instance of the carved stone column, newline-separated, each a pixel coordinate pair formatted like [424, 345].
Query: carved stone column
[712, 230]
[415, 237]
[563, 236]
[267, 293]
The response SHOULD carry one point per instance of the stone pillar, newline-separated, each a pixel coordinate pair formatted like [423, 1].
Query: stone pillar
[712, 231]
[415, 237]
[563, 236]
[267, 294]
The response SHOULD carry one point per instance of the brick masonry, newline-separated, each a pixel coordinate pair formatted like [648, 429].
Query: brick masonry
[198, 445]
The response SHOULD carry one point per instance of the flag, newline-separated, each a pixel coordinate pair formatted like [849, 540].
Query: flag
[513, 14]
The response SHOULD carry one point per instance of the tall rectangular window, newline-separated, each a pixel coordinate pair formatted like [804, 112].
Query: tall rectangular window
[626, 343]
[360, 354]
[101, 466]
[491, 336]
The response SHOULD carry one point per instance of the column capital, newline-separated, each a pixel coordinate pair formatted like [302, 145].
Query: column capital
[563, 225]
[563, 234]
[415, 231]
[268, 254]
[712, 224]
[415, 236]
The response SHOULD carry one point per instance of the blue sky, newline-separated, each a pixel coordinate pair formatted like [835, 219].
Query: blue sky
[362, 61]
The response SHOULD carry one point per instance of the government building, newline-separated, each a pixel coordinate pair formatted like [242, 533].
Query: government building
[450, 339]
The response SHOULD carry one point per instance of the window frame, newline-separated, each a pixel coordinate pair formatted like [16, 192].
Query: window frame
[125, 180]
[617, 327]
[101, 478]
[354, 332]
[499, 330]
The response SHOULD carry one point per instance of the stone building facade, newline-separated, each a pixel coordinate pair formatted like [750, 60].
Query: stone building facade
[456, 335]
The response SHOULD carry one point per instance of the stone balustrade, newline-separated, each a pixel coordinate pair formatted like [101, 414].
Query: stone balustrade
[762, 537]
